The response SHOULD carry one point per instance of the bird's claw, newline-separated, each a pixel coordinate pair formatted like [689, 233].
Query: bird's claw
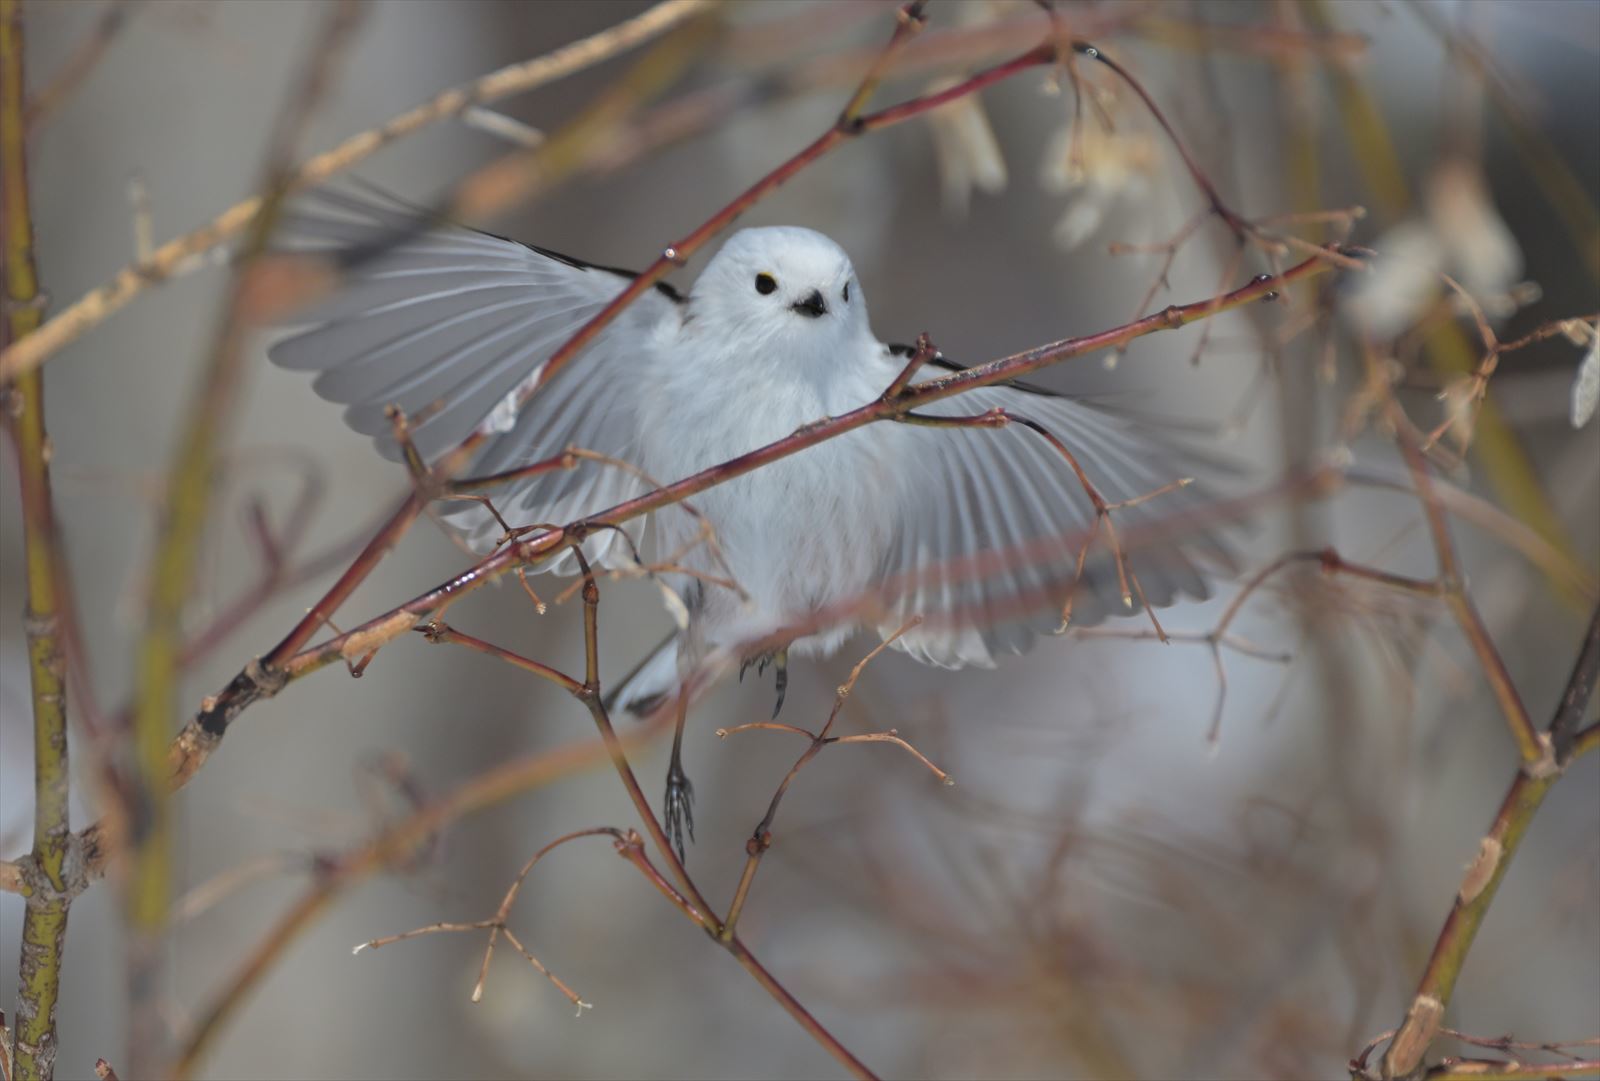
[679, 809]
[779, 659]
[781, 677]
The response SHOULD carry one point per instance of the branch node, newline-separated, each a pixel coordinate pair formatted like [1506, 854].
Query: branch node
[1547, 765]
[36, 886]
[1480, 872]
[268, 679]
[1411, 1042]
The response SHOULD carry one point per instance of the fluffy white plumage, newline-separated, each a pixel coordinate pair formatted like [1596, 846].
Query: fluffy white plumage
[773, 335]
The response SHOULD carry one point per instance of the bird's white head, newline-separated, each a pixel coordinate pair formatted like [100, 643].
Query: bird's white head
[781, 287]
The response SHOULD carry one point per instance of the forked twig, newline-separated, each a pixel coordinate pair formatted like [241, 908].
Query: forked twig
[496, 925]
[690, 901]
[1221, 637]
[761, 838]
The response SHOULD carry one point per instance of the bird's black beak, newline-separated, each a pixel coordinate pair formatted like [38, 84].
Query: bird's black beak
[813, 305]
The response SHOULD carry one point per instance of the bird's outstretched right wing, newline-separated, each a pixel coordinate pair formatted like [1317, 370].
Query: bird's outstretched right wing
[989, 543]
[446, 323]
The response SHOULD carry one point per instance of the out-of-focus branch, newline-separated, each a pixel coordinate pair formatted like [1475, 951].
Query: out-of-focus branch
[1220, 637]
[393, 847]
[1508, 467]
[1537, 756]
[1275, 42]
[172, 257]
[1580, 688]
[76, 68]
[1562, 188]
[1484, 514]
[52, 874]
[1425, 1014]
[1586, 741]
[180, 526]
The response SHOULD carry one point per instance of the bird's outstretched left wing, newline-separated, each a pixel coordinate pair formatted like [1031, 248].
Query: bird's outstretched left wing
[989, 542]
[446, 323]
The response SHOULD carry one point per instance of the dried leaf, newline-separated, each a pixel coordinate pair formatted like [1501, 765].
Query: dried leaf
[1586, 387]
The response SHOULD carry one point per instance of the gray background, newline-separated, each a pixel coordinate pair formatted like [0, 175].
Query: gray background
[1100, 893]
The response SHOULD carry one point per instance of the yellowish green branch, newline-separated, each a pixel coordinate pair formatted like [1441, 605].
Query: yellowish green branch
[179, 532]
[1425, 1015]
[51, 875]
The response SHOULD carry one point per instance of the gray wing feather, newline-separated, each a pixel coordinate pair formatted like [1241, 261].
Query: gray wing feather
[446, 323]
[989, 539]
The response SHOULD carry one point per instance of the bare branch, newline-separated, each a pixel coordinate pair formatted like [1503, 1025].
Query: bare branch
[172, 257]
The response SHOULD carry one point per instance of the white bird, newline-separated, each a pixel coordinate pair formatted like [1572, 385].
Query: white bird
[448, 323]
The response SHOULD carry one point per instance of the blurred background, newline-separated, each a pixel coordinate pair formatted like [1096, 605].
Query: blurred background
[1107, 890]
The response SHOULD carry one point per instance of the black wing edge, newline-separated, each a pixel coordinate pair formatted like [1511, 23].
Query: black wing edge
[425, 218]
[939, 360]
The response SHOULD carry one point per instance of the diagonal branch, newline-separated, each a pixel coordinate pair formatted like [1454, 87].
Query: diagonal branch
[1528, 790]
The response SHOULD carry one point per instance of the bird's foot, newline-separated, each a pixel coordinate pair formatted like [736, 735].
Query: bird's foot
[679, 808]
[779, 659]
[782, 679]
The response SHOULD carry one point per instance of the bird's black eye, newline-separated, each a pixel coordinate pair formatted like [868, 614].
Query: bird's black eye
[766, 283]
[846, 294]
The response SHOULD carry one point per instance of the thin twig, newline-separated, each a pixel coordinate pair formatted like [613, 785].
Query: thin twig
[496, 924]
[690, 901]
[1219, 637]
[761, 837]
[391, 848]
[1535, 749]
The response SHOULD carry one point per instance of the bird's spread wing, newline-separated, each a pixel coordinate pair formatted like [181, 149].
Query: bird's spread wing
[988, 546]
[446, 323]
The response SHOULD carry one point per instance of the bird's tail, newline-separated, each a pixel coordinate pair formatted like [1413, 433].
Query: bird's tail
[650, 683]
